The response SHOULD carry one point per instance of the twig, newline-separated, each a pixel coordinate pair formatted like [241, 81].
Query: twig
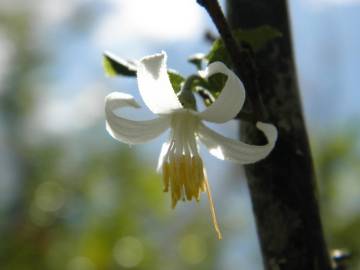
[244, 66]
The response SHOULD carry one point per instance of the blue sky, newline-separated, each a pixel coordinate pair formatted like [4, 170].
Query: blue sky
[326, 42]
[325, 36]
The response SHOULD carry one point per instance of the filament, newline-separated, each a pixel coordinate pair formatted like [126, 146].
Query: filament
[212, 209]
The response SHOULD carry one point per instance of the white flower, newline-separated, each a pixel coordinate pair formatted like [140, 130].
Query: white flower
[182, 168]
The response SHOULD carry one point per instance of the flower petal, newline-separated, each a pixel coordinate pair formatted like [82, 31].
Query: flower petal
[162, 156]
[229, 149]
[129, 131]
[154, 84]
[231, 98]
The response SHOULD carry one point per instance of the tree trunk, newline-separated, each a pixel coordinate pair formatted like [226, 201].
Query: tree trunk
[282, 187]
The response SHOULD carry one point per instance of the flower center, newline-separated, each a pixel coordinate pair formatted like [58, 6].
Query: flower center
[182, 169]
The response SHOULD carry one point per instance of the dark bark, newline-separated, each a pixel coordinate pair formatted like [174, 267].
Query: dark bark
[282, 187]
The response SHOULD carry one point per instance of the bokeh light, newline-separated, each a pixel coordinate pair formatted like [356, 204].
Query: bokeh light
[128, 252]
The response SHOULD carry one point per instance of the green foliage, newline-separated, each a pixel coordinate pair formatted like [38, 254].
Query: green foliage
[176, 80]
[336, 162]
[84, 201]
[197, 60]
[218, 53]
[216, 83]
[256, 38]
[115, 66]
[209, 89]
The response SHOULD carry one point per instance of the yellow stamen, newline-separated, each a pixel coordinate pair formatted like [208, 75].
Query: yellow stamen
[185, 175]
[197, 176]
[186, 178]
[174, 183]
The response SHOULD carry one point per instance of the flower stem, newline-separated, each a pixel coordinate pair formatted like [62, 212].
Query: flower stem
[186, 95]
[187, 86]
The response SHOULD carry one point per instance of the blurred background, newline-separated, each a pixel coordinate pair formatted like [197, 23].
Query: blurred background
[72, 198]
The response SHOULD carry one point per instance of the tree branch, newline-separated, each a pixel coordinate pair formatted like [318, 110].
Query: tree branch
[243, 63]
[282, 186]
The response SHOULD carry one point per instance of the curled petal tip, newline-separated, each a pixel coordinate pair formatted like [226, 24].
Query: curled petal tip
[129, 131]
[118, 99]
[231, 99]
[269, 129]
[237, 151]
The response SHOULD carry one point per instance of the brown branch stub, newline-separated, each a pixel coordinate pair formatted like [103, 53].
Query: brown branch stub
[209, 36]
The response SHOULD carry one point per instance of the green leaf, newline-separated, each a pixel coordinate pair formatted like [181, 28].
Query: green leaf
[257, 38]
[197, 59]
[115, 66]
[216, 83]
[218, 53]
[176, 79]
